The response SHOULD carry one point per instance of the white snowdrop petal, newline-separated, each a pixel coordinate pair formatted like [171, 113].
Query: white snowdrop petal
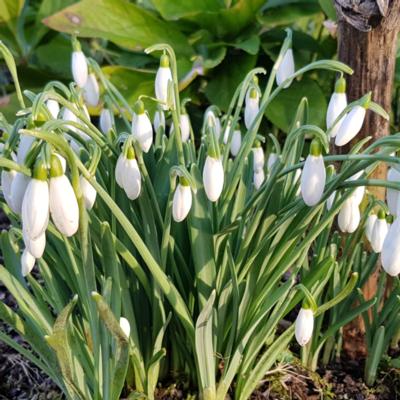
[88, 191]
[142, 131]
[213, 121]
[35, 208]
[79, 68]
[131, 179]
[350, 126]
[337, 104]
[258, 158]
[258, 178]
[330, 200]
[159, 120]
[392, 195]
[91, 91]
[182, 202]
[64, 208]
[285, 69]
[53, 107]
[27, 262]
[369, 226]
[304, 326]
[390, 255]
[313, 179]
[35, 246]
[106, 120]
[185, 127]
[7, 178]
[125, 326]
[163, 76]
[272, 159]
[378, 235]
[250, 111]
[25, 145]
[213, 178]
[119, 170]
[18, 187]
[236, 143]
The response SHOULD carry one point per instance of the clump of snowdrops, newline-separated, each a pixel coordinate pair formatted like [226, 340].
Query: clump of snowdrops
[183, 254]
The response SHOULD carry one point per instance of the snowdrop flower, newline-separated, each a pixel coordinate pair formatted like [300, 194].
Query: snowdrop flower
[25, 145]
[227, 131]
[390, 255]
[35, 205]
[251, 107]
[349, 216]
[369, 226]
[163, 77]
[27, 262]
[213, 178]
[182, 201]
[18, 187]
[91, 91]
[337, 104]
[63, 162]
[358, 193]
[106, 120]
[88, 191]
[125, 326]
[128, 174]
[64, 208]
[313, 176]
[236, 142]
[258, 178]
[35, 246]
[212, 121]
[184, 126]
[304, 326]
[351, 124]
[142, 129]
[392, 195]
[159, 120]
[379, 232]
[79, 66]
[285, 69]
[330, 200]
[272, 159]
[7, 178]
[53, 107]
[258, 156]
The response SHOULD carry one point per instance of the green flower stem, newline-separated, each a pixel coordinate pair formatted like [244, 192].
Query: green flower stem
[13, 166]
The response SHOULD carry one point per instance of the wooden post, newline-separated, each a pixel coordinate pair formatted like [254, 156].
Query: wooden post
[367, 41]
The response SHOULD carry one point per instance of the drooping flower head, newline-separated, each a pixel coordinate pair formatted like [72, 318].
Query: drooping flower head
[163, 79]
[337, 104]
[142, 129]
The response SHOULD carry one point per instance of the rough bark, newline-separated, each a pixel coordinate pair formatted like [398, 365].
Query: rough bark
[367, 40]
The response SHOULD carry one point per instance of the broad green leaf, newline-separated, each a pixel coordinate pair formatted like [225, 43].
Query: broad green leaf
[124, 23]
[227, 77]
[328, 8]
[172, 10]
[10, 9]
[281, 110]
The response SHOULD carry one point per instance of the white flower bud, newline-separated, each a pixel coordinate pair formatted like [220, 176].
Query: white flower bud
[369, 226]
[213, 121]
[88, 191]
[106, 120]
[350, 126]
[125, 326]
[18, 187]
[390, 255]
[313, 177]
[251, 107]
[182, 202]
[349, 216]
[285, 69]
[159, 120]
[27, 262]
[379, 233]
[53, 107]
[131, 178]
[236, 142]
[258, 178]
[91, 91]
[163, 77]
[258, 158]
[184, 127]
[392, 195]
[272, 159]
[337, 104]
[7, 178]
[79, 68]
[142, 129]
[213, 178]
[304, 326]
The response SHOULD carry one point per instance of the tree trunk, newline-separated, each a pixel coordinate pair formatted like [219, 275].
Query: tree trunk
[367, 41]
